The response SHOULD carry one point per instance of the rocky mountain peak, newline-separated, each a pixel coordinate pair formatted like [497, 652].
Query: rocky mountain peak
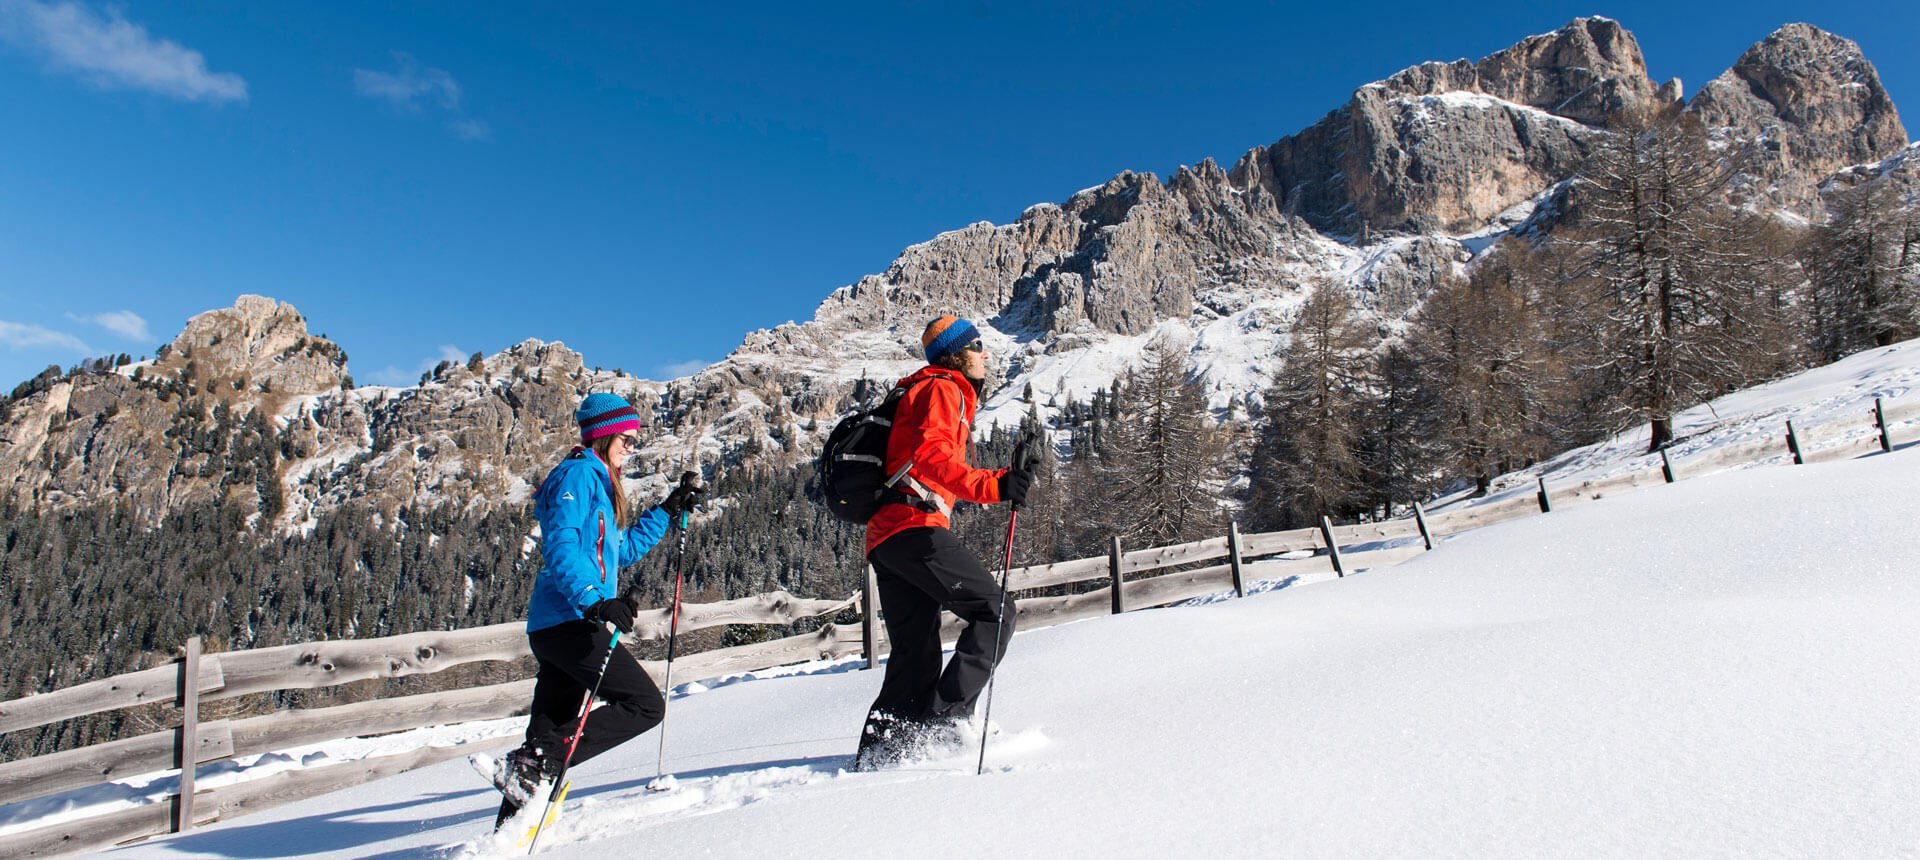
[1800, 105]
[535, 357]
[1588, 71]
[1447, 147]
[259, 343]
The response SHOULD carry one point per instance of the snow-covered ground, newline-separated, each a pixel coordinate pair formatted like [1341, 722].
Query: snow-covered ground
[1838, 393]
[1723, 666]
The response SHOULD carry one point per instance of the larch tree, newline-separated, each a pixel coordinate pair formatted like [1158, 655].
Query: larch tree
[1484, 361]
[1861, 265]
[1398, 447]
[1668, 276]
[1307, 461]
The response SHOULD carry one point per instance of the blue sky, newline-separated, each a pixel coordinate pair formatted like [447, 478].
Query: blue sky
[648, 183]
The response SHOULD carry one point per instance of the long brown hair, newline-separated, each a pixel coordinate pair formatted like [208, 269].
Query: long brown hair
[603, 447]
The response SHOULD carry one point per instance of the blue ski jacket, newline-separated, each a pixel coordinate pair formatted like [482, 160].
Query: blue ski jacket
[582, 548]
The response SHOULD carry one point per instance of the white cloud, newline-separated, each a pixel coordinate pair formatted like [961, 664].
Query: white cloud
[471, 129]
[416, 89]
[110, 52]
[127, 324]
[391, 375]
[684, 368]
[26, 336]
[411, 87]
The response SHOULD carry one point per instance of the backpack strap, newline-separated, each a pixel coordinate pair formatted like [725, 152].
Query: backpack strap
[902, 488]
[917, 495]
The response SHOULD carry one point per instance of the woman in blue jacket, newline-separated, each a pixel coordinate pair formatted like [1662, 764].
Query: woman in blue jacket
[584, 544]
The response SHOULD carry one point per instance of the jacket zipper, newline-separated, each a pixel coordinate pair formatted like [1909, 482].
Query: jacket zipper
[600, 547]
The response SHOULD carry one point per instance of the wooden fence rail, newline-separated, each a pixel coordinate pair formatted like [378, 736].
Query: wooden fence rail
[1278, 543]
[1325, 551]
[159, 684]
[325, 664]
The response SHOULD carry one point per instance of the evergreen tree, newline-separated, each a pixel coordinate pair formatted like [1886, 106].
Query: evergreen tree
[1087, 527]
[1485, 374]
[1047, 519]
[1398, 448]
[1862, 266]
[1161, 462]
[1308, 459]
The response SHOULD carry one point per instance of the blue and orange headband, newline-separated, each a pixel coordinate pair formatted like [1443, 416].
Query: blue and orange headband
[946, 336]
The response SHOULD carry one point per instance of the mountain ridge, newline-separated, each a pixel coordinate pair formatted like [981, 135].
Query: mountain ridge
[1397, 189]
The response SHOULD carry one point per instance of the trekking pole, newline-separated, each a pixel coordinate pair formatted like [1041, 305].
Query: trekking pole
[986, 713]
[673, 635]
[690, 480]
[1006, 573]
[586, 705]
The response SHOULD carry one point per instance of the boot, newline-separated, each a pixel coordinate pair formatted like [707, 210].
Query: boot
[521, 778]
[882, 741]
[525, 771]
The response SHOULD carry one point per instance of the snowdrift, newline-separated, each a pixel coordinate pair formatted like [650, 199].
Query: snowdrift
[1723, 665]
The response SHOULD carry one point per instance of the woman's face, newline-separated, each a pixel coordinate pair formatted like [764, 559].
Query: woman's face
[623, 446]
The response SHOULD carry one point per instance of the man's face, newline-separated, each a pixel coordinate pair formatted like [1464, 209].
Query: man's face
[975, 354]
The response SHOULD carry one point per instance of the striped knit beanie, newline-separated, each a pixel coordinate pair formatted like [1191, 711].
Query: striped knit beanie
[605, 415]
[946, 336]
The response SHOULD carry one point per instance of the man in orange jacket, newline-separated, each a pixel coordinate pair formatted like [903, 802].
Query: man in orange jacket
[921, 568]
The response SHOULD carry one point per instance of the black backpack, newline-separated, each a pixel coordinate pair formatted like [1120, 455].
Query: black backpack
[850, 477]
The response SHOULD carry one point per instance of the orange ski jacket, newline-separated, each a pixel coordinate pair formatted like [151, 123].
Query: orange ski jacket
[932, 429]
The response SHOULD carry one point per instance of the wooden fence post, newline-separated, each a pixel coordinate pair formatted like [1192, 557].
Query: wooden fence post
[187, 749]
[1793, 444]
[1420, 519]
[1666, 466]
[1546, 506]
[1113, 570]
[1233, 558]
[1333, 549]
[1880, 421]
[870, 620]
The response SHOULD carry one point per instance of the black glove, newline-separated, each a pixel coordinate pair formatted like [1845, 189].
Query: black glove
[683, 499]
[619, 611]
[1019, 477]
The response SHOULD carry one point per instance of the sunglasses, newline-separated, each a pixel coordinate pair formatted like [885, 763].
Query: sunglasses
[975, 346]
[629, 439]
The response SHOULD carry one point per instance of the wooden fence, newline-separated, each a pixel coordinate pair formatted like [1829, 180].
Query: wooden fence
[1129, 578]
[325, 664]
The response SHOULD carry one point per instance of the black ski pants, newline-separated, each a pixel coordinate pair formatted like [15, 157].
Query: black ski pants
[569, 654]
[918, 573]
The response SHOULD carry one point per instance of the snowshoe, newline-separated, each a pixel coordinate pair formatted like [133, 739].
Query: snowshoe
[890, 742]
[882, 742]
[522, 777]
[524, 827]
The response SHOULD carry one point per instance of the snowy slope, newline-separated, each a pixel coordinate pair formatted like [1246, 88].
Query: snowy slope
[1720, 666]
[1841, 392]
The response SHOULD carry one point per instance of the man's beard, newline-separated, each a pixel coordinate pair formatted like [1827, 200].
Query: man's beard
[979, 385]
